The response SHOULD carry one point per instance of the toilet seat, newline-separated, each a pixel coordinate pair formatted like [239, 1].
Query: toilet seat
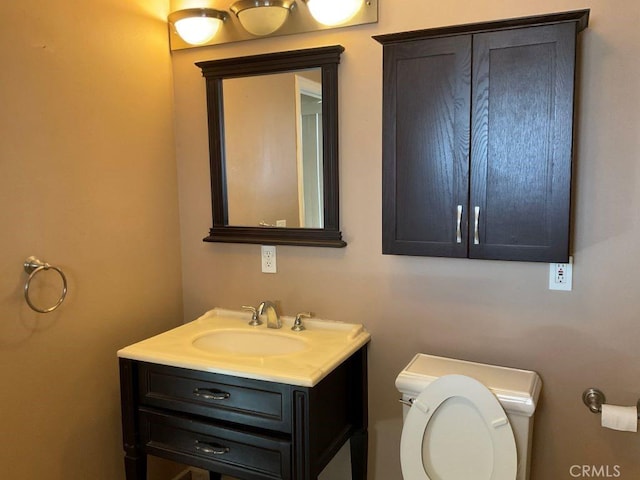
[489, 428]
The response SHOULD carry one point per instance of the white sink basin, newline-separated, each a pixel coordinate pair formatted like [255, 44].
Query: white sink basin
[221, 341]
[250, 343]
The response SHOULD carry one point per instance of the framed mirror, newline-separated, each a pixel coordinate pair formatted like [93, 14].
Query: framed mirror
[273, 147]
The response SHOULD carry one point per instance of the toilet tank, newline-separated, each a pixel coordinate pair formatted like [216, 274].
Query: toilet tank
[517, 391]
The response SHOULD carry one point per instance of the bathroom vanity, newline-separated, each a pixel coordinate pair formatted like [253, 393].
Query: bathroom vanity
[280, 414]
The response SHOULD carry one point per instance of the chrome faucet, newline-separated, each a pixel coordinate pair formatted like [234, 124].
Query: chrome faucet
[273, 319]
[297, 325]
[255, 321]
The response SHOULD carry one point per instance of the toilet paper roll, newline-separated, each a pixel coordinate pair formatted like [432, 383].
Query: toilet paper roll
[620, 418]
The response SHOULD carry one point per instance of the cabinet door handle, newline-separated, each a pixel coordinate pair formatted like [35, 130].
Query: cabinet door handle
[458, 220]
[476, 228]
[211, 394]
[211, 448]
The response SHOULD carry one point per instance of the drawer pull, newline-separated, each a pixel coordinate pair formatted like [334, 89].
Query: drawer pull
[476, 230]
[458, 222]
[210, 448]
[211, 394]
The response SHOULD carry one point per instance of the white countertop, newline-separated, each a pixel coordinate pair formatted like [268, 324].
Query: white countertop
[326, 345]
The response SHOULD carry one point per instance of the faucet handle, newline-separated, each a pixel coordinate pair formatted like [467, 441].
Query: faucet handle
[255, 321]
[297, 324]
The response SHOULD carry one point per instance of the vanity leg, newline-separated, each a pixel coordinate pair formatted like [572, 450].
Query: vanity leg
[359, 441]
[135, 466]
[135, 459]
[359, 444]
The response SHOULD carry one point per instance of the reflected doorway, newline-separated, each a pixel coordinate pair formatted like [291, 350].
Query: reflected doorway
[309, 152]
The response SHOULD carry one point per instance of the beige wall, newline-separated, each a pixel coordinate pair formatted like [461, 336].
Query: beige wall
[497, 312]
[87, 182]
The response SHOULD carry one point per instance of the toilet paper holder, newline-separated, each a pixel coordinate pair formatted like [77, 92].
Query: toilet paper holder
[594, 398]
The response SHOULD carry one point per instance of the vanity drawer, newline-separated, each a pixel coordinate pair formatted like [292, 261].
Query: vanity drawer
[223, 397]
[249, 456]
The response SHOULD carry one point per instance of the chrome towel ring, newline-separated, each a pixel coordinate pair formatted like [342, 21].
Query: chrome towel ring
[33, 266]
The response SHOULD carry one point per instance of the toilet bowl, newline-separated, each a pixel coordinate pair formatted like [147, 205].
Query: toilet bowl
[465, 420]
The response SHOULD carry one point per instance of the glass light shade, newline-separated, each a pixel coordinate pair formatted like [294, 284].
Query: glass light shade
[197, 26]
[263, 20]
[334, 12]
[197, 30]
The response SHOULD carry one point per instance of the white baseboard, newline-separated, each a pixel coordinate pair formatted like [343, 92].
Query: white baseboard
[192, 473]
[183, 475]
[197, 474]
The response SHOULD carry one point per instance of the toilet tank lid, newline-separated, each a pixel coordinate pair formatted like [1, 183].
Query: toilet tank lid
[517, 390]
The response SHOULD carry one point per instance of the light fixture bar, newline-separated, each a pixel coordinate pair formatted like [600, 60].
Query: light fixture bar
[241, 5]
[254, 19]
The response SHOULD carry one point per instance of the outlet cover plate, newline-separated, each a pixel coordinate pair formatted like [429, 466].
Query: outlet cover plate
[561, 276]
[268, 259]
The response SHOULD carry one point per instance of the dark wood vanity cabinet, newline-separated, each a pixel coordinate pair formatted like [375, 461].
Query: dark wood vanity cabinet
[247, 429]
[477, 139]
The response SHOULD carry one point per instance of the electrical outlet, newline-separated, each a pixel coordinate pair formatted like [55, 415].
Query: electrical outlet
[561, 276]
[268, 259]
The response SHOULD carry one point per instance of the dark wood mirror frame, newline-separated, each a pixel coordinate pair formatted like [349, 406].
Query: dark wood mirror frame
[215, 71]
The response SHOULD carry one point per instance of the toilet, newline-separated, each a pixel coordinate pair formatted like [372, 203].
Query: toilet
[466, 420]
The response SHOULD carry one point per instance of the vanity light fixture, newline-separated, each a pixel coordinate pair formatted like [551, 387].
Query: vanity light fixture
[262, 17]
[197, 26]
[334, 12]
[239, 20]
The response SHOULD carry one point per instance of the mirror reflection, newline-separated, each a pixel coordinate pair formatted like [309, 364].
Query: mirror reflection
[273, 149]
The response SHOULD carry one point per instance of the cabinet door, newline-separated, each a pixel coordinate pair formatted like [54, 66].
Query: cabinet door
[521, 143]
[426, 146]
